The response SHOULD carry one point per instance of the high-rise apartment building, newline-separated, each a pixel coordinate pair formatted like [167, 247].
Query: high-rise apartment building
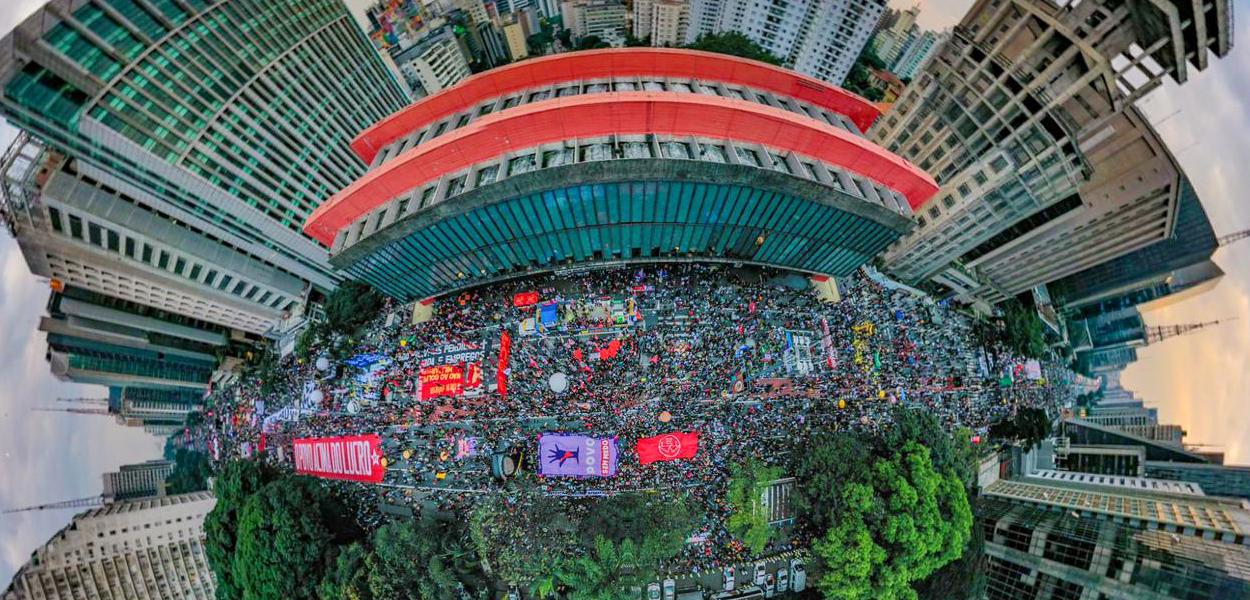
[1215, 479]
[516, 33]
[143, 548]
[918, 52]
[604, 19]
[143, 480]
[1049, 546]
[229, 120]
[664, 22]
[1025, 117]
[434, 61]
[819, 38]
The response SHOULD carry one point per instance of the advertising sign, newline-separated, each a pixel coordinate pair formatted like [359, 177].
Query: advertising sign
[563, 455]
[351, 458]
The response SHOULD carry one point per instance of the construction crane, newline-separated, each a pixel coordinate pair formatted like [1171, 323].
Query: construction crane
[88, 502]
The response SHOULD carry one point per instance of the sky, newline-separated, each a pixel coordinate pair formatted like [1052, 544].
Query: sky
[1200, 381]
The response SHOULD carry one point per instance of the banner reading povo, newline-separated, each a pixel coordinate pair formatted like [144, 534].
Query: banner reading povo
[570, 455]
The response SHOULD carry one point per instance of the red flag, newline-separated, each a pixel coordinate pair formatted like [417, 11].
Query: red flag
[610, 351]
[525, 299]
[670, 446]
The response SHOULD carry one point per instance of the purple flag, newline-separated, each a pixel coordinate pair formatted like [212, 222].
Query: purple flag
[563, 455]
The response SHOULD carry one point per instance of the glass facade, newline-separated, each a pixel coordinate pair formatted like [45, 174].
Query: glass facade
[629, 220]
[257, 99]
[88, 355]
[1039, 554]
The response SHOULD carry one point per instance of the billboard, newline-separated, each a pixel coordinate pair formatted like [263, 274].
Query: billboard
[566, 455]
[351, 458]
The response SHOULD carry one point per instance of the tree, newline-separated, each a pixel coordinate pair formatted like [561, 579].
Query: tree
[1029, 426]
[288, 536]
[659, 525]
[408, 563]
[348, 579]
[610, 572]
[506, 532]
[749, 520]
[634, 42]
[352, 305]
[736, 44]
[967, 574]
[191, 472]
[902, 523]
[1024, 333]
[566, 38]
[830, 461]
[237, 481]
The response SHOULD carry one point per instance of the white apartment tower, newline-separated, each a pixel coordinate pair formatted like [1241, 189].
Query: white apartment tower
[143, 548]
[820, 38]
[664, 21]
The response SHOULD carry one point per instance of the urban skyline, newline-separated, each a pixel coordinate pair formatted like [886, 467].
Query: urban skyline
[1196, 381]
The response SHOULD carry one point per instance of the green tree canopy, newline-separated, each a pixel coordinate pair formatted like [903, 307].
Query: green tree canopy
[591, 42]
[736, 44]
[749, 520]
[522, 539]
[288, 537]
[1024, 332]
[237, 481]
[610, 572]
[661, 523]
[899, 525]
[348, 579]
[412, 560]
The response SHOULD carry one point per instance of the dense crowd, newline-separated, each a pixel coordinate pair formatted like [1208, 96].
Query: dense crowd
[752, 360]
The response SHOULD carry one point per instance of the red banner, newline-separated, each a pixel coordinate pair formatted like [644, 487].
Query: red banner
[443, 380]
[670, 446]
[353, 458]
[525, 299]
[505, 356]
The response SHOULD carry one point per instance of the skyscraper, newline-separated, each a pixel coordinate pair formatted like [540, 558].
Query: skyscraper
[819, 38]
[1025, 117]
[143, 548]
[143, 480]
[229, 120]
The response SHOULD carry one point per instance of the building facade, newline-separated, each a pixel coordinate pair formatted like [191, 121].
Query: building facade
[1035, 552]
[664, 22]
[604, 19]
[230, 117]
[1024, 116]
[1216, 479]
[819, 38]
[143, 548]
[434, 62]
[567, 163]
[918, 52]
[143, 480]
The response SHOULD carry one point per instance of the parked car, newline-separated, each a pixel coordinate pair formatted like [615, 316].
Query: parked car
[670, 589]
[729, 578]
[770, 586]
[653, 591]
[760, 573]
[783, 580]
[798, 576]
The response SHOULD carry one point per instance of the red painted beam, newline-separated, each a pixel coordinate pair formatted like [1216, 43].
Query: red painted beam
[616, 62]
[593, 115]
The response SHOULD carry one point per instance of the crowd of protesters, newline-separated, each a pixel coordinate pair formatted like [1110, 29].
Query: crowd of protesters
[753, 361]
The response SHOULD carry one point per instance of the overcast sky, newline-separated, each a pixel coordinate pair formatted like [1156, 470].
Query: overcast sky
[1201, 382]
